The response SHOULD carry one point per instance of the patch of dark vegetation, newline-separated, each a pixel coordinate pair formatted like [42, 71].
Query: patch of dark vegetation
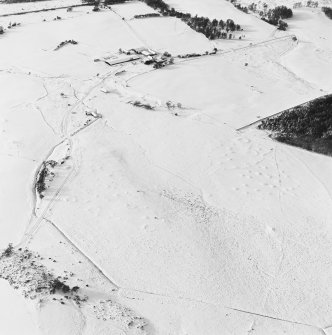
[8, 251]
[10, 26]
[63, 43]
[40, 184]
[145, 105]
[143, 16]
[212, 29]
[113, 2]
[57, 285]
[276, 15]
[14, 24]
[191, 55]
[308, 126]
[273, 16]
[96, 8]
[24, 271]
[44, 173]
[244, 9]
[194, 54]
[327, 11]
[312, 4]
[172, 105]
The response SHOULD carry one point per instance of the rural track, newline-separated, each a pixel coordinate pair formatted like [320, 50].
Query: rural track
[137, 36]
[247, 47]
[82, 253]
[30, 230]
[231, 308]
[28, 235]
[64, 122]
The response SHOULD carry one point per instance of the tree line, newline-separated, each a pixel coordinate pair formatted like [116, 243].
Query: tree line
[274, 16]
[212, 29]
[327, 11]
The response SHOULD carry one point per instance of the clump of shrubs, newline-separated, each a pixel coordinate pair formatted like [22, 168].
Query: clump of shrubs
[14, 24]
[143, 16]
[276, 15]
[244, 9]
[312, 4]
[57, 285]
[8, 251]
[112, 2]
[24, 271]
[191, 55]
[172, 105]
[63, 43]
[42, 176]
[41, 181]
[138, 103]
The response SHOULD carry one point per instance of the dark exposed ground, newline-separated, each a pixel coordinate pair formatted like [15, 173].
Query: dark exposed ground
[308, 126]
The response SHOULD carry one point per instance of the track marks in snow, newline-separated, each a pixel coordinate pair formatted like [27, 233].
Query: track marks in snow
[247, 159]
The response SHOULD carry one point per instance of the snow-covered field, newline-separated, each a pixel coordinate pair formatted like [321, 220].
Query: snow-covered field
[254, 28]
[19, 7]
[312, 59]
[173, 219]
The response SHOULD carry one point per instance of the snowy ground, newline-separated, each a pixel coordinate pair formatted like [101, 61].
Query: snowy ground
[254, 28]
[177, 220]
[14, 8]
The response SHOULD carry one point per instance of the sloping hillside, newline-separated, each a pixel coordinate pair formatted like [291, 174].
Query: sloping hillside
[134, 185]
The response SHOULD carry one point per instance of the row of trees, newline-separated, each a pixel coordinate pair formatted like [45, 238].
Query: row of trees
[274, 16]
[309, 3]
[313, 4]
[43, 175]
[327, 11]
[212, 29]
[242, 8]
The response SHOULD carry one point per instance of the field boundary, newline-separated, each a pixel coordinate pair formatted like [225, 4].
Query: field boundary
[43, 10]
